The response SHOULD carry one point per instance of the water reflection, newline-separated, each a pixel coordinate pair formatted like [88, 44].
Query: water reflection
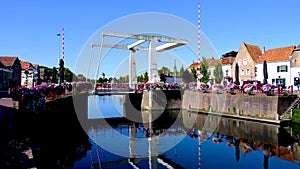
[51, 141]
[181, 139]
[158, 139]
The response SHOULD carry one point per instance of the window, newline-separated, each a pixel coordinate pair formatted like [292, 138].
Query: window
[242, 72]
[282, 68]
[248, 72]
[239, 62]
[226, 72]
[280, 81]
[244, 61]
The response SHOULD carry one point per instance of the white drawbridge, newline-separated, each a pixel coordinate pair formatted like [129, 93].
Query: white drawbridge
[169, 43]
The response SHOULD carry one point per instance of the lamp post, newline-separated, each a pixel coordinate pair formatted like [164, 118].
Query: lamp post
[58, 37]
[290, 61]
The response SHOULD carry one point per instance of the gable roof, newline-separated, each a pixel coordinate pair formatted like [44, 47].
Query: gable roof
[277, 54]
[227, 60]
[35, 65]
[194, 65]
[8, 60]
[298, 46]
[23, 65]
[30, 65]
[2, 65]
[213, 62]
[254, 51]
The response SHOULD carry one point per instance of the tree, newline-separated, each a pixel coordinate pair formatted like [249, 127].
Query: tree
[181, 70]
[188, 77]
[54, 75]
[68, 75]
[80, 77]
[47, 72]
[164, 70]
[145, 76]
[204, 71]
[237, 81]
[175, 70]
[61, 71]
[194, 73]
[230, 54]
[122, 79]
[218, 72]
[162, 77]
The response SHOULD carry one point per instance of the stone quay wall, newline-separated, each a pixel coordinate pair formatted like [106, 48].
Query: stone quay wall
[249, 105]
[161, 99]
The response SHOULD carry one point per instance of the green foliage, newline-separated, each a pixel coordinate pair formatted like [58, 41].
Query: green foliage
[188, 77]
[296, 116]
[124, 79]
[68, 75]
[181, 70]
[164, 70]
[162, 77]
[204, 71]
[81, 77]
[208, 108]
[102, 80]
[234, 109]
[218, 73]
[194, 73]
[143, 77]
[230, 54]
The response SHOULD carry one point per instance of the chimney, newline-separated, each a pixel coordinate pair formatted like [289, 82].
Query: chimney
[263, 50]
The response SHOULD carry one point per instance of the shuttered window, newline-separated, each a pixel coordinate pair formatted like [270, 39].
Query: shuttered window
[282, 68]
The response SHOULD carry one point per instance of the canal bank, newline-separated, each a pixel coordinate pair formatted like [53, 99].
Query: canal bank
[263, 108]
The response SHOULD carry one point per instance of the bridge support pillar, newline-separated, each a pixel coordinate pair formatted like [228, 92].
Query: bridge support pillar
[132, 69]
[152, 62]
[132, 141]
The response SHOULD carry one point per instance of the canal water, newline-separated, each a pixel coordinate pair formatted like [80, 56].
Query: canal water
[114, 137]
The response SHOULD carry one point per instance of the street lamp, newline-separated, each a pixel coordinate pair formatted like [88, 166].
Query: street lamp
[290, 61]
[58, 37]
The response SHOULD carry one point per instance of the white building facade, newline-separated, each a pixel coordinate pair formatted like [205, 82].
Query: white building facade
[279, 73]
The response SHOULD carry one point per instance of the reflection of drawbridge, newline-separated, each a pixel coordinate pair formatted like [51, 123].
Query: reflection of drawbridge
[153, 156]
[203, 133]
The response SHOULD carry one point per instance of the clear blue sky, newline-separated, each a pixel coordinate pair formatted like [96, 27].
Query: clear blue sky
[29, 28]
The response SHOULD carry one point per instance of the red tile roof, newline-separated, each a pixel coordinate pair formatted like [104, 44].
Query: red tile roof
[23, 64]
[194, 65]
[212, 62]
[29, 64]
[277, 54]
[254, 51]
[8, 60]
[227, 60]
[36, 66]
